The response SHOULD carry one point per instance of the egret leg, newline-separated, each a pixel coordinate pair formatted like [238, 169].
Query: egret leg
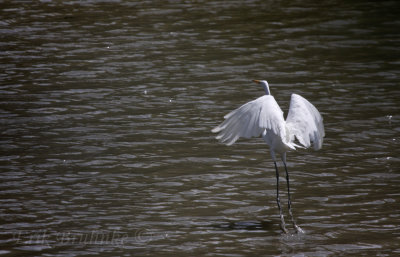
[283, 227]
[298, 229]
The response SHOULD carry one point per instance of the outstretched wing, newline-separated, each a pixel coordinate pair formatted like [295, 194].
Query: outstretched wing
[305, 122]
[251, 119]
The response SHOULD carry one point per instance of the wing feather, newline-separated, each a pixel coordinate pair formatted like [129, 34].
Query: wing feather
[305, 122]
[250, 120]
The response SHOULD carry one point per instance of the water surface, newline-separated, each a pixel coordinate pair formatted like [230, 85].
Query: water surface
[106, 112]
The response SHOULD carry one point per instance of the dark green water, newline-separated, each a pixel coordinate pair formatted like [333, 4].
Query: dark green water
[107, 106]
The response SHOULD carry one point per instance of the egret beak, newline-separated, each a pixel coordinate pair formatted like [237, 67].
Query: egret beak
[257, 81]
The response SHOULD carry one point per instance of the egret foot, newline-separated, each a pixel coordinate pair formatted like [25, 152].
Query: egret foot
[299, 230]
[284, 229]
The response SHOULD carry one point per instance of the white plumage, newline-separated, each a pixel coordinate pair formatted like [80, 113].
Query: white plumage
[305, 122]
[264, 117]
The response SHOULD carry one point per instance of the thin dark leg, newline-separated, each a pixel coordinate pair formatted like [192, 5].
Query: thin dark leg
[298, 229]
[283, 227]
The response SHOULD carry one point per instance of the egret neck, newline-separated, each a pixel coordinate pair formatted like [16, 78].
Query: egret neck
[265, 85]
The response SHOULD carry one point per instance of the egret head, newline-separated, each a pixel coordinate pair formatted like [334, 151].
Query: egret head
[264, 84]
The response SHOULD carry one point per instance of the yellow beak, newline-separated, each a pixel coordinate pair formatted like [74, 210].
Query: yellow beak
[255, 80]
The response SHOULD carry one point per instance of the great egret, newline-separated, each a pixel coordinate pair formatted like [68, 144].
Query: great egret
[263, 116]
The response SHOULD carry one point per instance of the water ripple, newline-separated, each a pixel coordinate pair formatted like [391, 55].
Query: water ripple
[106, 112]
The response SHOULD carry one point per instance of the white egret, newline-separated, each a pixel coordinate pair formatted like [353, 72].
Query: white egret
[263, 116]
